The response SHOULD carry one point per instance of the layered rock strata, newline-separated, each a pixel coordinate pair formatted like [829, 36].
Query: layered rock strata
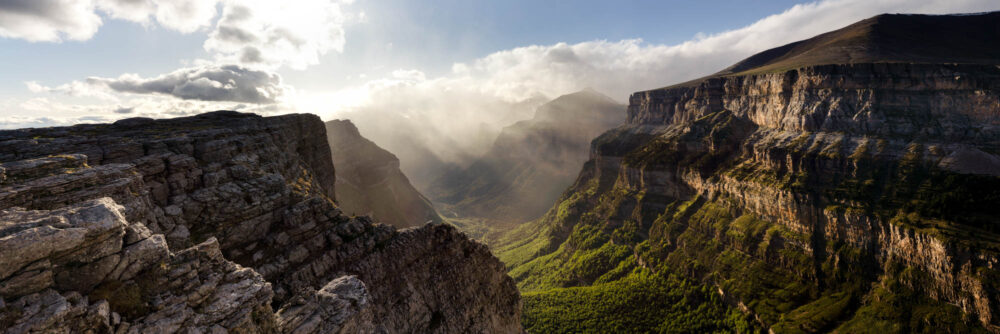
[219, 222]
[822, 197]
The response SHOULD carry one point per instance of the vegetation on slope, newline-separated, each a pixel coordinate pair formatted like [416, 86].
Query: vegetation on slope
[642, 302]
[604, 230]
[791, 233]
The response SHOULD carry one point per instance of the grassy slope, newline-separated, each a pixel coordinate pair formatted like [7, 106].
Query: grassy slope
[641, 302]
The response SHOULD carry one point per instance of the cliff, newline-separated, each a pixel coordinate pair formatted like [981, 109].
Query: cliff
[219, 222]
[531, 162]
[370, 183]
[812, 195]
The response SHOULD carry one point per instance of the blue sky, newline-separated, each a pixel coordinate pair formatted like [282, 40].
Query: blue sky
[431, 37]
[68, 60]
[454, 30]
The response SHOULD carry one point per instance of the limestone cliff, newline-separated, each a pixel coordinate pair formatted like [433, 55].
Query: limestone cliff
[369, 181]
[813, 195]
[219, 222]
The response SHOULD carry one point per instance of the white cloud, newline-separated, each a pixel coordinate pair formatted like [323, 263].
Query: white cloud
[58, 20]
[129, 10]
[75, 88]
[622, 67]
[48, 20]
[261, 36]
[185, 15]
[208, 83]
[258, 33]
[19, 122]
[230, 83]
[272, 34]
[60, 114]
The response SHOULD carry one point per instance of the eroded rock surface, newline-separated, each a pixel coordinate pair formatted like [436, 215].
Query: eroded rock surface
[214, 223]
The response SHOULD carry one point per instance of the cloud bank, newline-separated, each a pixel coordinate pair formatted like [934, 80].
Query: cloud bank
[78, 20]
[619, 68]
[207, 83]
[48, 20]
[247, 44]
[277, 33]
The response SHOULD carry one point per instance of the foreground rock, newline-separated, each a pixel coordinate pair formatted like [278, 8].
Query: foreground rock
[219, 222]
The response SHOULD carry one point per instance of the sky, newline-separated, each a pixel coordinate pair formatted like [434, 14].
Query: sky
[460, 65]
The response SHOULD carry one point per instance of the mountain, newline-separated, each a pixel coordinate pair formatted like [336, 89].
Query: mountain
[369, 181]
[928, 39]
[432, 133]
[846, 183]
[221, 222]
[531, 162]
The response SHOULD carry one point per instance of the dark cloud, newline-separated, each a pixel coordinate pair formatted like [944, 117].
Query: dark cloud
[235, 35]
[250, 55]
[124, 110]
[31, 7]
[210, 83]
[46, 20]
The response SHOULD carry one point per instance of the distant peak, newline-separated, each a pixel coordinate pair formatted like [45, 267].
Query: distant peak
[342, 127]
[587, 93]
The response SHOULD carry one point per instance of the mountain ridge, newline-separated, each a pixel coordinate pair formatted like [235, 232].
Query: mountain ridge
[371, 183]
[884, 38]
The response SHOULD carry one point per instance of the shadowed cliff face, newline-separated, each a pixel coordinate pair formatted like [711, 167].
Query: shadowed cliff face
[219, 222]
[851, 197]
[531, 162]
[370, 183]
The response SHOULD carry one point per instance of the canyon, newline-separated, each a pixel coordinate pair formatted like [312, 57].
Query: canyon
[221, 222]
[844, 183]
[530, 163]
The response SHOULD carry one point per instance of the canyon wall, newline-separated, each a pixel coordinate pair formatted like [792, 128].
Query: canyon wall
[833, 197]
[370, 182]
[219, 222]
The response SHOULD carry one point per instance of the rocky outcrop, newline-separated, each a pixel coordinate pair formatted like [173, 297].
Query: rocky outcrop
[946, 103]
[84, 268]
[342, 305]
[369, 181]
[821, 197]
[219, 222]
[530, 163]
